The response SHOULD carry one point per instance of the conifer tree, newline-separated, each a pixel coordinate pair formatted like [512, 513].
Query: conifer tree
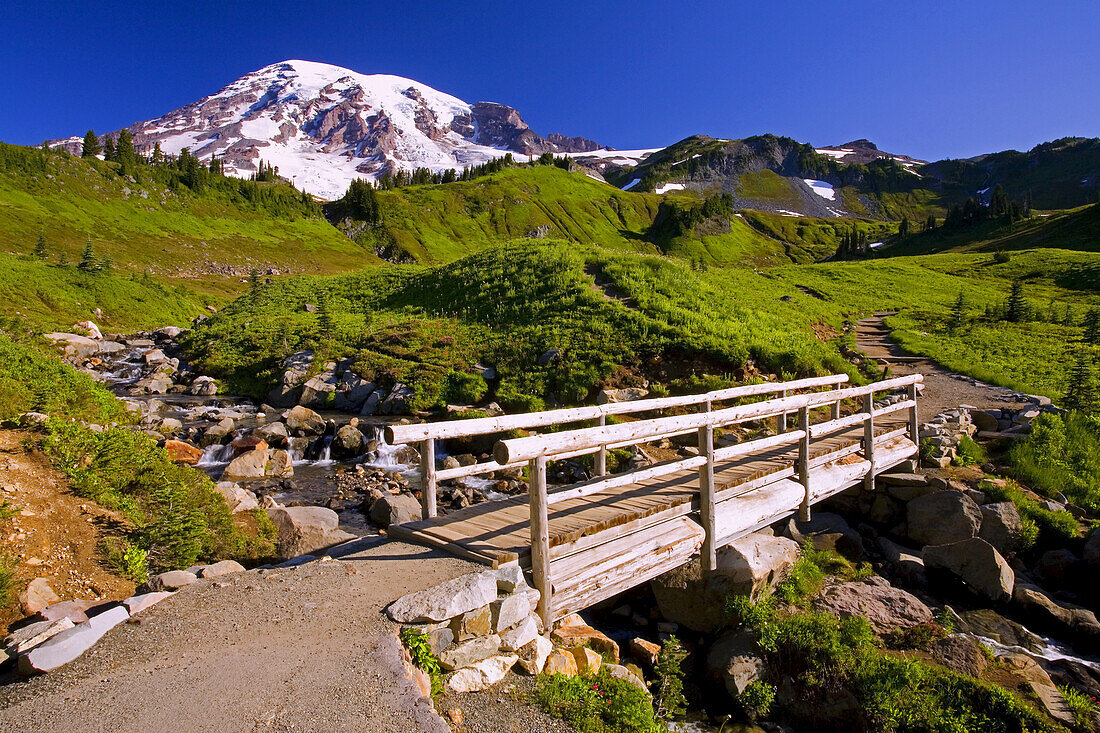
[1081, 391]
[930, 224]
[1016, 306]
[91, 145]
[1092, 326]
[958, 314]
[124, 151]
[62, 260]
[109, 148]
[158, 154]
[325, 323]
[106, 263]
[88, 262]
[39, 251]
[903, 228]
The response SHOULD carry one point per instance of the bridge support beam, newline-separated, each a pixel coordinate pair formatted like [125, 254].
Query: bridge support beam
[709, 551]
[540, 540]
[914, 422]
[869, 440]
[804, 462]
[427, 479]
[601, 454]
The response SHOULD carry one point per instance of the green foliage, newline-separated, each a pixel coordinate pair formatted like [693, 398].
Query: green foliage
[129, 561]
[754, 614]
[920, 636]
[465, 388]
[669, 699]
[968, 453]
[757, 699]
[1083, 707]
[420, 650]
[7, 580]
[1042, 527]
[599, 704]
[1061, 454]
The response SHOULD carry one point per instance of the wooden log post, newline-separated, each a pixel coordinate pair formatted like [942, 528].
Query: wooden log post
[914, 422]
[601, 454]
[869, 440]
[427, 479]
[540, 540]
[836, 410]
[804, 462]
[709, 551]
[781, 418]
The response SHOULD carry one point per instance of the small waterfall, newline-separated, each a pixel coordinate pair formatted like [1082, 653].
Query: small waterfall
[386, 454]
[325, 458]
[217, 455]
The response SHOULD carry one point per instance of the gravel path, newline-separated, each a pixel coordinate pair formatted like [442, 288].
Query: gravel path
[295, 649]
[943, 389]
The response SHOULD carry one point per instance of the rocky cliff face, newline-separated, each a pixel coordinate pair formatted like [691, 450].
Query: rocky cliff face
[324, 126]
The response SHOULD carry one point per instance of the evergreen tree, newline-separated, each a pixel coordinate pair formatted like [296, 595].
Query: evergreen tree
[88, 261]
[1092, 326]
[158, 154]
[124, 151]
[1081, 390]
[62, 260]
[106, 263]
[958, 314]
[903, 228]
[1016, 310]
[930, 223]
[91, 145]
[254, 281]
[325, 323]
[39, 251]
[109, 148]
[998, 202]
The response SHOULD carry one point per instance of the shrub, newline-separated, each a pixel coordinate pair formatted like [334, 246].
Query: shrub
[920, 636]
[129, 561]
[465, 388]
[599, 704]
[817, 648]
[754, 615]
[1061, 455]
[1042, 527]
[669, 700]
[420, 651]
[968, 453]
[1082, 706]
[757, 699]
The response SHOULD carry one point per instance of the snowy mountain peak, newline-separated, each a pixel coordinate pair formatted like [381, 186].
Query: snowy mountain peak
[325, 125]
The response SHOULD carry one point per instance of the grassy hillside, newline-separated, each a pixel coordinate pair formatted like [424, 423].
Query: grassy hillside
[148, 221]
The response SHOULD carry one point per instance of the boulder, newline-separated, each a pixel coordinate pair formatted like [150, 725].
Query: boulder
[71, 643]
[74, 345]
[628, 394]
[221, 568]
[279, 464]
[560, 662]
[885, 607]
[73, 610]
[37, 595]
[943, 517]
[1045, 610]
[237, 499]
[348, 442]
[318, 391]
[520, 635]
[252, 464]
[169, 426]
[468, 652]
[1092, 549]
[1001, 526]
[510, 579]
[203, 386]
[588, 661]
[827, 531]
[371, 404]
[1059, 567]
[619, 672]
[306, 529]
[906, 565]
[510, 610]
[644, 651]
[352, 392]
[985, 420]
[446, 600]
[750, 565]
[976, 563]
[180, 452]
[992, 625]
[89, 329]
[397, 402]
[532, 656]
[28, 637]
[1032, 676]
[481, 675]
[395, 509]
[169, 581]
[304, 421]
[732, 662]
[478, 622]
[960, 654]
[573, 631]
[274, 434]
[137, 604]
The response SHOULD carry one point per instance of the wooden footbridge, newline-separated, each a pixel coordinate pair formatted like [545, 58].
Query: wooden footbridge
[585, 542]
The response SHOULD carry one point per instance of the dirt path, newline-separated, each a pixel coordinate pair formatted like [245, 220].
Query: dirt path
[295, 649]
[53, 534]
[943, 389]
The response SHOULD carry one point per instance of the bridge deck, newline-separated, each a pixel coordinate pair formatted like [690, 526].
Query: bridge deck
[497, 532]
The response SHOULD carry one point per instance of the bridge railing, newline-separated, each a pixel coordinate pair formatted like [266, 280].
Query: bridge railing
[425, 434]
[537, 450]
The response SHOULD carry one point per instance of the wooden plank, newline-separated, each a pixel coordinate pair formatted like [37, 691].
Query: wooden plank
[914, 423]
[596, 486]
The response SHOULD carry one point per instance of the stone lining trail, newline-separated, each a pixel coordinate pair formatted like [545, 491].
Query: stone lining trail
[943, 389]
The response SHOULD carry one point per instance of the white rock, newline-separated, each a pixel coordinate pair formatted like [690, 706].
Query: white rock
[136, 604]
[481, 675]
[70, 644]
[31, 635]
[520, 636]
[532, 657]
[446, 600]
[509, 610]
[510, 579]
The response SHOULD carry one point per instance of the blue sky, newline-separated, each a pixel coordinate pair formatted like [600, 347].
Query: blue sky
[930, 79]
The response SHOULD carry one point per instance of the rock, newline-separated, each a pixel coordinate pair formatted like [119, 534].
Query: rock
[1058, 567]
[252, 464]
[548, 356]
[906, 565]
[33, 419]
[28, 637]
[732, 662]
[348, 442]
[352, 392]
[238, 499]
[827, 531]
[137, 604]
[910, 480]
[628, 394]
[559, 661]
[478, 622]
[37, 595]
[88, 329]
[885, 607]
[510, 579]
[1028, 671]
[942, 518]
[644, 651]
[588, 661]
[180, 452]
[203, 386]
[532, 656]
[221, 568]
[520, 635]
[304, 421]
[306, 529]
[397, 402]
[1001, 526]
[749, 565]
[446, 600]
[573, 631]
[510, 610]
[960, 654]
[395, 509]
[371, 404]
[273, 433]
[73, 610]
[73, 345]
[169, 426]
[976, 563]
[172, 580]
[985, 420]
[992, 625]
[619, 672]
[168, 333]
[279, 464]
[71, 643]
[481, 675]
[468, 652]
[318, 391]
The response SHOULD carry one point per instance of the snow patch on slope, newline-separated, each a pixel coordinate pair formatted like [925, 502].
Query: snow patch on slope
[666, 187]
[821, 188]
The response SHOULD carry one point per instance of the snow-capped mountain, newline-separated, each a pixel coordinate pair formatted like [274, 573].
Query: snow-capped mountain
[325, 125]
